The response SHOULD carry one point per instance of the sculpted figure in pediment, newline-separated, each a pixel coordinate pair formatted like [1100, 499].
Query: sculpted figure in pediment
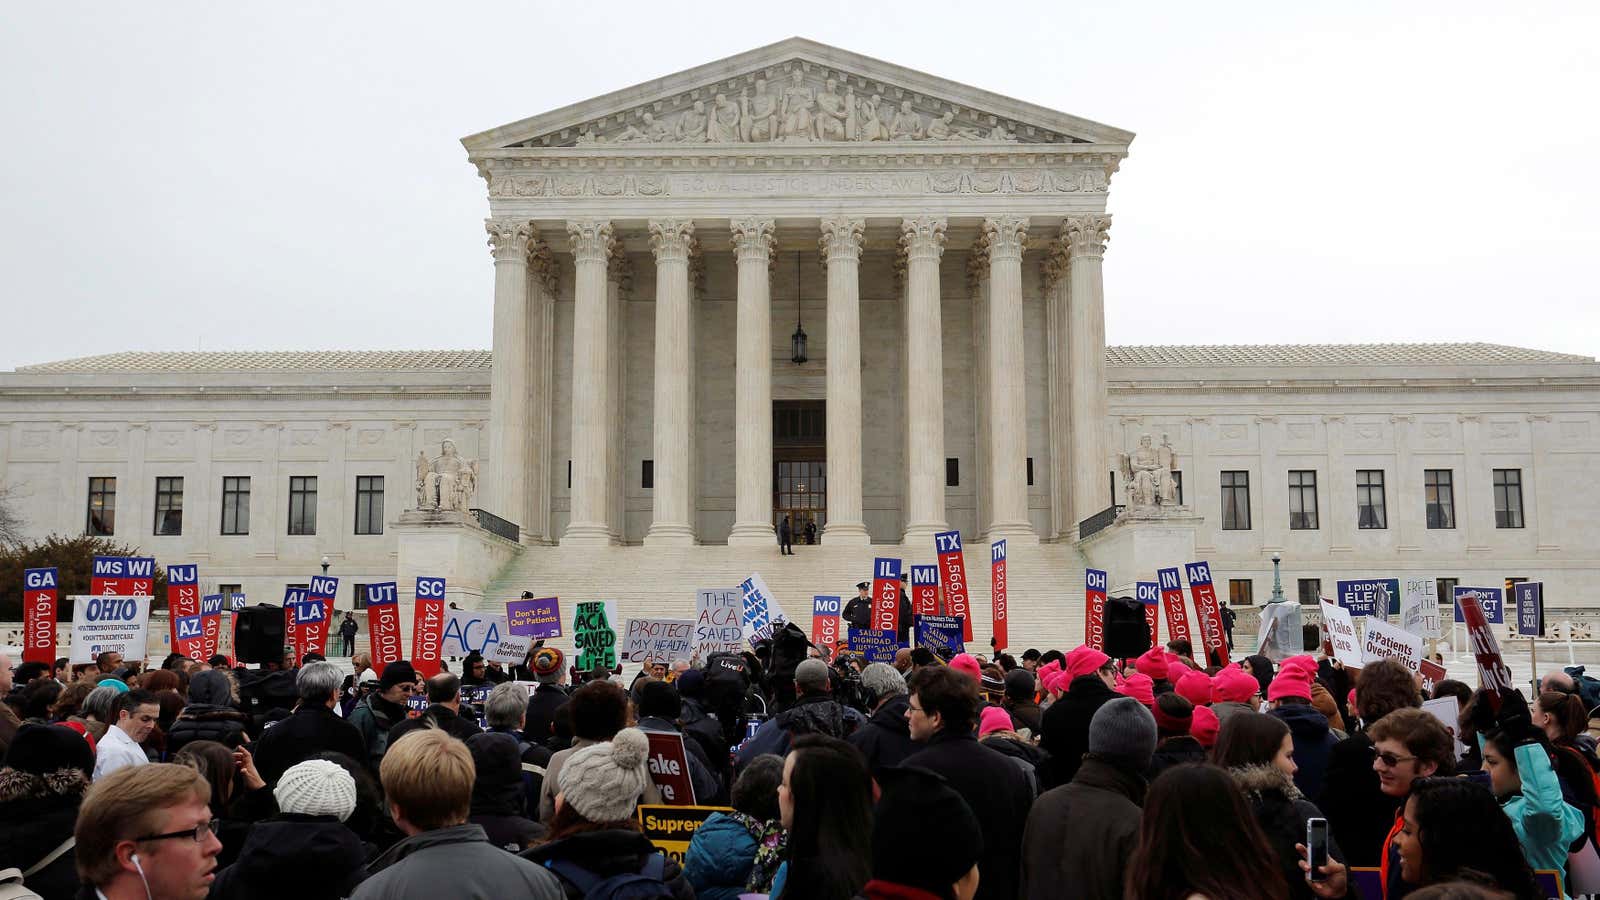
[831, 111]
[907, 125]
[639, 134]
[798, 101]
[759, 114]
[944, 129]
[869, 122]
[692, 125]
[725, 119]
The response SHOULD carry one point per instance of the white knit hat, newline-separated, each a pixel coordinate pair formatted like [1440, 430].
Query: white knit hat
[603, 782]
[317, 787]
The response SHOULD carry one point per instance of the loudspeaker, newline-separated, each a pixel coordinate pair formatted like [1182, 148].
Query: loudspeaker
[1127, 634]
[258, 634]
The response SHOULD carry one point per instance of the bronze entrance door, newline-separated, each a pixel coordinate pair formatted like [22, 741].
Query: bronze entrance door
[800, 467]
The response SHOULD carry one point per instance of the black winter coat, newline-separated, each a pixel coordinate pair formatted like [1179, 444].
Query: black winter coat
[608, 853]
[542, 705]
[858, 612]
[31, 827]
[1079, 836]
[311, 729]
[1064, 729]
[204, 722]
[998, 793]
[1026, 715]
[886, 738]
[1281, 811]
[1359, 813]
[1175, 751]
[304, 857]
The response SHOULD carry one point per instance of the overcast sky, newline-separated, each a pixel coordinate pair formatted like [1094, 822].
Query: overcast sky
[289, 175]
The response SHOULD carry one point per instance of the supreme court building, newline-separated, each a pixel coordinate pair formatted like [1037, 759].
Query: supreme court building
[804, 283]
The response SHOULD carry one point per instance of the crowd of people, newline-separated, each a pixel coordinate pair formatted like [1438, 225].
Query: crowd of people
[951, 776]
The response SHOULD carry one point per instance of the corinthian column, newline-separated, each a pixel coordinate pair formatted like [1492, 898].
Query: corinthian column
[592, 245]
[671, 240]
[841, 248]
[1085, 240]
[1008, 414]
[510, 377]
[752, 522]
[923, 240]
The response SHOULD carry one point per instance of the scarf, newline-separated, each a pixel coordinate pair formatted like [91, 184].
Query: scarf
[771, 841]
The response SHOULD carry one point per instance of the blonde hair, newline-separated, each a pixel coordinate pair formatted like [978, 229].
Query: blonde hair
[124, 805]
[428, 775]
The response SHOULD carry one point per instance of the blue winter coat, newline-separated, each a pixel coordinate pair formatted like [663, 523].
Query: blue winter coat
[719, 858]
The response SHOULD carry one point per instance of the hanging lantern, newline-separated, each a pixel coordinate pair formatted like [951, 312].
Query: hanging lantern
[798, 339]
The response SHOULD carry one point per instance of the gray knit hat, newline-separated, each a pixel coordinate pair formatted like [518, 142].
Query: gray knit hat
[1123, 731]
[603, 782]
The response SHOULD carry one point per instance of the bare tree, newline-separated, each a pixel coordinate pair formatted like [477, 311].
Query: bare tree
[11, 526]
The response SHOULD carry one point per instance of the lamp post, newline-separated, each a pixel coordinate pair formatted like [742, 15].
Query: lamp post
[324, 565]
[1277, 580]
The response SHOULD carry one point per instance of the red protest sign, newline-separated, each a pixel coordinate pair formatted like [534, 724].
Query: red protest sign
[314, 622]
[1094, 621]
[825, 620]
[1492, 672]
[383, 624]
[953, 579]
[925, 590]
[210, 627]
[427, 636]
[123, 576]
[1172, 604]
[39, 594]
[1210, 613]
[1432, 674]
[183, 602]
[885, 594]
[669, 768]
[997, 590]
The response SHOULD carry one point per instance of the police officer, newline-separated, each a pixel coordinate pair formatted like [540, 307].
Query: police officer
[858, 612]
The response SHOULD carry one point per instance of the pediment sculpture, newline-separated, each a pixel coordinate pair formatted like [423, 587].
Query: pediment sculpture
[447, 481]
[1147, 474]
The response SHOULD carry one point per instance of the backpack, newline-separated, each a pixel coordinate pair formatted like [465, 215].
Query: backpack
[645, 884]
[11, 886]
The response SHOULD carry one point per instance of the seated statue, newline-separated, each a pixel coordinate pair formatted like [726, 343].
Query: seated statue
[1147, 472]
[448, 481]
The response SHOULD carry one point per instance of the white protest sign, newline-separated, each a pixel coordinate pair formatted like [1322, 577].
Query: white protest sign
[466, 630]
[1385, 641]
[1448, 711]
[109, 625]
[717, 624]
[511, 649]
[1419, 606]
[658, 640]
[1342, 634]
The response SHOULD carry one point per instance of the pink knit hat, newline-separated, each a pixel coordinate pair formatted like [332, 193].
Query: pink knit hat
[1084, 660]
[1195, 687]
[1292, 681]
[1153, 663]
[994, 719]
[1233, 685]
[966, 664]
[1303, 662]
[1140, 687]
[1205, 726]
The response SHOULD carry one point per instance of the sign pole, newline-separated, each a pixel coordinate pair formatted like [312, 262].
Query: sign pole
[1533, 662]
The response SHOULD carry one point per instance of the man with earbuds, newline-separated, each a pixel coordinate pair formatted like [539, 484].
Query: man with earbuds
[146, 833]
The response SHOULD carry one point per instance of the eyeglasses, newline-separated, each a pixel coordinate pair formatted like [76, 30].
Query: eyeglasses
[915, 708]
[1389, 759]
[197, 834]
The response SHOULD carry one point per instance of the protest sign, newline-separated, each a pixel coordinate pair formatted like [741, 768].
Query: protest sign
[1419, 606]
[1492, 672]
[471, 631]
[670, 828]
[183, 602]
[293, 596]
[669, 767]
[1172, 603]
[825, 612]
[658, 640]
[40, 592]
[383, 624]
[510, 650]
[953, 578]
[1149, 594]
[925, 590]
[1342, 635]
[123, 576]
[315, 626]
[1368, 596]
[1432, 674]
[210, 626]
[1385, 641]
[594, 637]
[534, 618]
[759, 611]
[1094, 620]
[1530, 608]
[940, 633]
[1491, 600]
[874, 646]
[104, 624]
[717, 624]
[1448, 711]
[427, 627]
[886, 594]
[997, 593]
[1208, 611]
[236, 602]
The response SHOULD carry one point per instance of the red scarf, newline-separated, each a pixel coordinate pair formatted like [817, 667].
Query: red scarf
[1388, 841]
[887, 890]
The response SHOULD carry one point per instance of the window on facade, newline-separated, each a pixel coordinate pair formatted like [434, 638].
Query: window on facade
[369, 504]
[647, 475]
[1303, 499]
[569, 474]
[101, 518]
[1447, 598]
[1310, 591]
[1030, 471]
[1508, 498]
[1235, 501]
[169, 506]
[303, 504]
[1241, 592]
[358, 596]
[1177, 486]
[227, 591]
[1370, 509]
[952, 472]
[1440, 494]
[236, 505]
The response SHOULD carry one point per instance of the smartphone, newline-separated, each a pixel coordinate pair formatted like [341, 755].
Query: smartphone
[1316, 848]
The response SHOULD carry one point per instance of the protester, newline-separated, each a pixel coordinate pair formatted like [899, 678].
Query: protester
[136, 715]
[995, 732]
[1204, 727]
[1021, 688]
[599, 710]
[370, 821]
[1408, 744]
[443, 712]
[1517, 758]
[311, 729]
[238, 795]
[738, 852]
[885, 739]
[499, 803]
[1064, 726]
[210, 715]
[505, 713]
[943, 706]
[383, 709]
[1199, 841]
[1194, 687]
[347, 635]
[1261, 669]
[547, 667]
[814, 711]
[1450, 828]
[659, 708]
[594, 835]
[1290, 698]
[1234, 691]
[145, 833]
[1361, 809]
[911, 861]
[825, 801]
[1084, 832]
[305, 851]
[1153, 665]
[1175, 742]
[42, 782]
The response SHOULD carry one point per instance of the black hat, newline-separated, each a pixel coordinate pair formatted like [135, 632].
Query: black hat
[42, 749]
[861, 585]
[397, 672]
[905, 849]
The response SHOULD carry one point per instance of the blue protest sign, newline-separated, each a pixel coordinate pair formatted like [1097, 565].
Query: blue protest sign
[874, 646]
[1530, 608]
[1491, 599]
[940, 633]
[1369, 596]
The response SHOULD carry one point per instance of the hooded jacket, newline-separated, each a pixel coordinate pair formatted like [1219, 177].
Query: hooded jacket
[1313, 742]
[36, 815]
[288, 855]
[720, 857]
[454, 862]
[607, 853]
[809, 714]
[1281, 811]
[886, 738]
[1065, 728]
[1081, 834]
[999, 794]
[499, 800]
[207, 722]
